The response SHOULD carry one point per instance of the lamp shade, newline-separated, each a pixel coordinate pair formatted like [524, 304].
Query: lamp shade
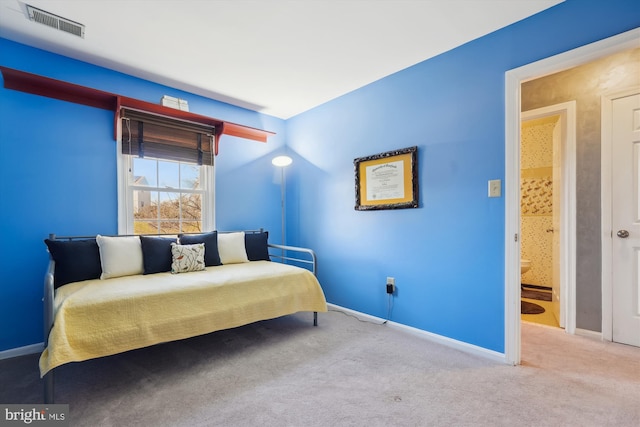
[281, 161]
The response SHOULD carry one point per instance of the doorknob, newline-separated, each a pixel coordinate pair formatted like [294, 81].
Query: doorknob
[623, 234]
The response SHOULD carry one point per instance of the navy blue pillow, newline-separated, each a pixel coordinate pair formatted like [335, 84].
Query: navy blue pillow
[76, 260]
[256, 246]
[156, 253]
[210, 240]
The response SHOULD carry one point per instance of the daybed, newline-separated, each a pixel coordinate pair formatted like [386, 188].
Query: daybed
[109, 294]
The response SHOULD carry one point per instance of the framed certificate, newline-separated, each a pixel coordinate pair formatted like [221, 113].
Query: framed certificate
[387, 180]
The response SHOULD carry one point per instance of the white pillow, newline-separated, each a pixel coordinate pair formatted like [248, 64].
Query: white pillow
[187, 258]
[120, 256]
[231, 248]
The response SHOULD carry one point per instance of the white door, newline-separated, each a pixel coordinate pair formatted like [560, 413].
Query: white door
[625, 215]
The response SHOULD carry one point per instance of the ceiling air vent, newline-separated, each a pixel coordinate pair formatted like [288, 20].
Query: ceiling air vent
[55, 21]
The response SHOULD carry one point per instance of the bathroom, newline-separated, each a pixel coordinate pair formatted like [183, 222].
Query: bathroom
[540, 178]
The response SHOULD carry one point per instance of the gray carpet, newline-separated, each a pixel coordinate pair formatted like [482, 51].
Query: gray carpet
[285, 372]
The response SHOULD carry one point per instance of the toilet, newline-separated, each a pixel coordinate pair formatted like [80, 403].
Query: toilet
[525, 265]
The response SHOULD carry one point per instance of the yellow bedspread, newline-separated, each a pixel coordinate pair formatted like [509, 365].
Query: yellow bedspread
[98, 318]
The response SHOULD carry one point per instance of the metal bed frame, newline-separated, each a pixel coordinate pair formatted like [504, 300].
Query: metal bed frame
[309, 260]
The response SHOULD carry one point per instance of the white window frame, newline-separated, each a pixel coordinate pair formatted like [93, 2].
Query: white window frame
[125, 192]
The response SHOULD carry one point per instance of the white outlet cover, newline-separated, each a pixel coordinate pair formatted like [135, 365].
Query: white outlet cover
[495, 188]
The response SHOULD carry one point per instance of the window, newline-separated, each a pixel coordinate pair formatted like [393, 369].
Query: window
[166, 184]
[167, 196]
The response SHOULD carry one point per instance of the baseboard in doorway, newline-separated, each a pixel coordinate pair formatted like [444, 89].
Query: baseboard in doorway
[589, 334]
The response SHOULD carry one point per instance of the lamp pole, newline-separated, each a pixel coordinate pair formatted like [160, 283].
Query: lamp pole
[282, 162]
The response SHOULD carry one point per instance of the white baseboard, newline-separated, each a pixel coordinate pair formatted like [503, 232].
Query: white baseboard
[21, 351]
[357, 314]
[589, 334]
[449, 342]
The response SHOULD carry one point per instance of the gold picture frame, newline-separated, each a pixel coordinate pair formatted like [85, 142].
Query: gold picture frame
[387, 180]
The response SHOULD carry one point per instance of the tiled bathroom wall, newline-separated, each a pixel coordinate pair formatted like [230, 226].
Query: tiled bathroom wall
[536, 199]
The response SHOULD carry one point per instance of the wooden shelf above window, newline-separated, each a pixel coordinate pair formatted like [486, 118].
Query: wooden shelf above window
[58, 89]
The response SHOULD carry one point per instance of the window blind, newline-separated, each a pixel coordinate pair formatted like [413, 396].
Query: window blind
[161, 137]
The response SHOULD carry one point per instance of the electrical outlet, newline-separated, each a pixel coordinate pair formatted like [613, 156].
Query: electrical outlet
[391, 285]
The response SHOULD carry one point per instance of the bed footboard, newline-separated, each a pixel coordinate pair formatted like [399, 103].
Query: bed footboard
[296, 255]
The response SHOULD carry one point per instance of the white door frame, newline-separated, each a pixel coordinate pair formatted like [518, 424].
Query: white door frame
[567, 113]
[513, 79]
[606, 170]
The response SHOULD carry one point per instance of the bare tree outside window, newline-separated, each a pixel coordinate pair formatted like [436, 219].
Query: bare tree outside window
[167, 197]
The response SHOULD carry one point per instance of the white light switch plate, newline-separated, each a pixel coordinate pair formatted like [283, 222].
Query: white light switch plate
[495, 188]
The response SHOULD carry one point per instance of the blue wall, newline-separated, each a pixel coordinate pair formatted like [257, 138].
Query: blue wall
[58, 175]
[448, 255]
[57, 164]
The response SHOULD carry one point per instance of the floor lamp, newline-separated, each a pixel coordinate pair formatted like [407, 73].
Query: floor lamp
[282, 162]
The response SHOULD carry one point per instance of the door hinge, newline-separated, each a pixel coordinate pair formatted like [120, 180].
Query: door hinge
[515, 237]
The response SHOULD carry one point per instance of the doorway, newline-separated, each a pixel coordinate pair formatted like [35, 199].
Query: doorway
[548, 213]
[514, 79]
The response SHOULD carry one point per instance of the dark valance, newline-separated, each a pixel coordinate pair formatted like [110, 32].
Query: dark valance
[150, 135]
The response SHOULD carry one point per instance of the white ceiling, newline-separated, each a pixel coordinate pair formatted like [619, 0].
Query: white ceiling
[280, 57]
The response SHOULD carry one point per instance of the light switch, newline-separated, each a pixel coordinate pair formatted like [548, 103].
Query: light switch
[495, 188]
